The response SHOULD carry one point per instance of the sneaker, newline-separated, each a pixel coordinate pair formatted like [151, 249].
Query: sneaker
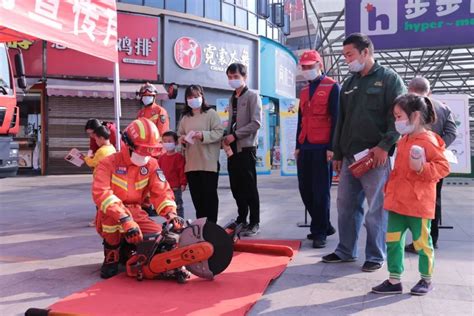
[333, 258]
[319, 243]
[331, 231]
[388, 288]
[411, 249]
[423, 287]
[252, 230]
[371, 266]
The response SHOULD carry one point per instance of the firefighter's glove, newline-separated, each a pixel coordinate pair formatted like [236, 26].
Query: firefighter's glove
[132, 231]
[176, 221]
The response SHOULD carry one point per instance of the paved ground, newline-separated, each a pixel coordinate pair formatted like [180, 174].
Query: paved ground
[47, 252]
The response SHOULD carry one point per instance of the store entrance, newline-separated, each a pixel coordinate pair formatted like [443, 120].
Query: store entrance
[29, 137]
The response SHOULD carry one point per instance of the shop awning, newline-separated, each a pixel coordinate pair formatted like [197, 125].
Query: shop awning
[95, 89]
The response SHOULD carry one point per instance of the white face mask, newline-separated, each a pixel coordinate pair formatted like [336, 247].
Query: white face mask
[404, 127]
[147, 99]
[235, 83]
[195, 103]
[169, 146]
[139, 160]
[310, 74]
[356, 66]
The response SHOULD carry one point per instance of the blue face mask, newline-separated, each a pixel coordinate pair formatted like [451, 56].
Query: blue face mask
[235, 83]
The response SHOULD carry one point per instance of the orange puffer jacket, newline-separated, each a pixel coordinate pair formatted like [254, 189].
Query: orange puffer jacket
[408, 192]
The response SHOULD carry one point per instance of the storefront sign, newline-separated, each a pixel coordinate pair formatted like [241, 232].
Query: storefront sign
[137, 46]
[187, 53]
[288, 125]
[285, 74]
[412, 24]
[461, 147]
[205, 53]
[87, 26]
[277, 69]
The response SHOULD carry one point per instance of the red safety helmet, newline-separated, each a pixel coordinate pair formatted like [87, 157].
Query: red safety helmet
[143, 137]
[147, 89]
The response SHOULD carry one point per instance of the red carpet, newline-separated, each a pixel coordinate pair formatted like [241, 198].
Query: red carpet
[231, 293]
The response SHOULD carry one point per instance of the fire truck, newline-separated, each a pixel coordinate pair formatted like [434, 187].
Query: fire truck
[9, 111]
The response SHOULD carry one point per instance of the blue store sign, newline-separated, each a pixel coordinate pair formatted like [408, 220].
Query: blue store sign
[277, 70]
[412, 23]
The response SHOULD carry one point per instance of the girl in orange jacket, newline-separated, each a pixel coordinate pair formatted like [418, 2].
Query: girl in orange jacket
[410, 192]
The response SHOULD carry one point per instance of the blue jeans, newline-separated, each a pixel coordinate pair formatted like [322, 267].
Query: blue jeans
[351, 193]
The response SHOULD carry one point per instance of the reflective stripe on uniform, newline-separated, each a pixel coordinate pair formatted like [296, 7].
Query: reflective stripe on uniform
[154, 117]
[141, 128]
[112, 228]
[165, 204]
[120, 182]
[141, 184]
[393, 236]
[109, 201]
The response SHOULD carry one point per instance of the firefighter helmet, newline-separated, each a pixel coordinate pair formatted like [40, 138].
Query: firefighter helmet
[147, 89]
[142, 137]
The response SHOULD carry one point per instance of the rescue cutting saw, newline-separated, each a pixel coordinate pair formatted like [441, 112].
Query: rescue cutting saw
[201, 247]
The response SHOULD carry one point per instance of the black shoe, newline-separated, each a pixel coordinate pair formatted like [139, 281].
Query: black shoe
[371, 266]
[108, 270]
[435, 245]
[319, 243]
[411, 249]
[423, 287]
[330, 231]
[252, 230]
[388, 288]
[333, 258]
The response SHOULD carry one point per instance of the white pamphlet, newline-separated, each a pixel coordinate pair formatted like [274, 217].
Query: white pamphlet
[361, 154]
[75, 157]
[189, 137]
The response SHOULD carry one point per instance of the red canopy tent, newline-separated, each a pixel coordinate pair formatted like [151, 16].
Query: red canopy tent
[89, 26]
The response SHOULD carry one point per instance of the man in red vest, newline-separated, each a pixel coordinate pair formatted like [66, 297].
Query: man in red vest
[317, 116]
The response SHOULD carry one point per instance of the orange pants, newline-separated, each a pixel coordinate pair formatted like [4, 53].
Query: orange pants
[112, 231]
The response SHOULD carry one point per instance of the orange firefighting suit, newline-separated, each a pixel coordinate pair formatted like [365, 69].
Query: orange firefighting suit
[119, 188]
[158, 115]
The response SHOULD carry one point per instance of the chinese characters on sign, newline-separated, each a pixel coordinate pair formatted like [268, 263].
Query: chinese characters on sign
[285, 71]
[416, 8]
[412, 23]
[89, 26]
[219, 58]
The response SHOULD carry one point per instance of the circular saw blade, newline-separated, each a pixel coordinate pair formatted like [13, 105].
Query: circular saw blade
[223, 247]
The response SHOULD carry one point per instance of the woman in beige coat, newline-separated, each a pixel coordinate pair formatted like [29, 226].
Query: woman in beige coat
[201, 131]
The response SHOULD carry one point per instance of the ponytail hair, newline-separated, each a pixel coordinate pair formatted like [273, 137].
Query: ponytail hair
[410, 103]
[429, 116]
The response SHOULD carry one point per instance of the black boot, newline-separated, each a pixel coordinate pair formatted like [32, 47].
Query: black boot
[111, 261]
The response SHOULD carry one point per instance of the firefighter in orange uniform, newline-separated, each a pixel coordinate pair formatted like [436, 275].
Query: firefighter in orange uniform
[121, 182]
[151, 110]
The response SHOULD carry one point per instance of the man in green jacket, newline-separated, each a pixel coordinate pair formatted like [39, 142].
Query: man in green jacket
[365, 122]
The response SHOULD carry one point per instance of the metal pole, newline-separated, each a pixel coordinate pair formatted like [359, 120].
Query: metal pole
[305, 224]
[117, 103]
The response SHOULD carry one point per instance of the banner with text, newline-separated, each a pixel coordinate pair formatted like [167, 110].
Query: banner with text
[461, 147]
[412, 24]
[288, 125]
[87, 26]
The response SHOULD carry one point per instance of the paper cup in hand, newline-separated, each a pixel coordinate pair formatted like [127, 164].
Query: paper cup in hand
[189, 137]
